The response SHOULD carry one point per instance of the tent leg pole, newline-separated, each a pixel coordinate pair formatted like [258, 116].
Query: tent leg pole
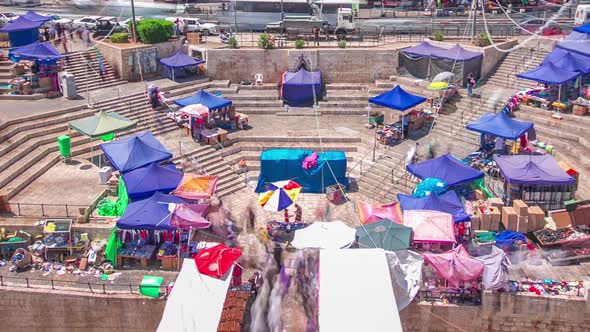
[559, 94]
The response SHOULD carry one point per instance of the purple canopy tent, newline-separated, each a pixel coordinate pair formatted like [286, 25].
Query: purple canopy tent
[527, 169]
[179, 61]
[576, 42]
[22, 31]
[39, 52]
[300, 88]
[143, 182]
[397, 99]
[549, 73]
[568, 60]
[32, 16]
[500, 125]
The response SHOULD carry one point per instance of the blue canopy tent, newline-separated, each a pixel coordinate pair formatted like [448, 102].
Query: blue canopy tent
[457, 53]
[500, 125]
[134, 152]
[144, 181]
[397, 99]
[446, 168]
[424, 49]
[299, 88]
[212, 102]
[41, 52]
[538, 169]
[549, 73]
[32, 16]
[568, 60]
[151, 213]
[448, 202]
[576, 42]
[179, 61]
[286, 164]
[22, 31]
[583, 28]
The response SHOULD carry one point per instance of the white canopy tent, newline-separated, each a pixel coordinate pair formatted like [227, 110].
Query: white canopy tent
[196, 301]
[356, 292]
[324, 235]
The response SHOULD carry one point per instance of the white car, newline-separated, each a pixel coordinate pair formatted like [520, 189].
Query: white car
[193, 24]
[127, 23]
[92, 21]
[7, 17]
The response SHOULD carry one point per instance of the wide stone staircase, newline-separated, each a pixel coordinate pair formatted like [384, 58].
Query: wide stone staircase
[84, 67]
[516, 62]
[28, 146]
[5, 74]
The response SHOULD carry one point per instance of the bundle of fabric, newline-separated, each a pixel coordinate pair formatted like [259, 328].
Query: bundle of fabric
[507, 238]
[311, 161]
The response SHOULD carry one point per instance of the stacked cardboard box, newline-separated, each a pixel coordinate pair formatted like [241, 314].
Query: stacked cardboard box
[536, 218]
[509, 218]
[522, 210]
[489, 218]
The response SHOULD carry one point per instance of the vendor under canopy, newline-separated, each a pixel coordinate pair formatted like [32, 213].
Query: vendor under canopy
[398, 99]
[180, 61]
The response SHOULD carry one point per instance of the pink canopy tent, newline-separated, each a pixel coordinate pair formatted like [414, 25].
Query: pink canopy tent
[430, 226]
[370, 213]
[186, 216]
[455, 266]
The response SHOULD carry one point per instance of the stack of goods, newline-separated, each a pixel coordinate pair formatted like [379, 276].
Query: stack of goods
[564, 235]
[234, 309]
[522, 218]
[548, 287]
[488, 217]
[389, 134]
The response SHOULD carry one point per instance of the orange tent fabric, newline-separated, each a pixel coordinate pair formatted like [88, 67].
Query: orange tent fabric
[370, 213]
[195, 186]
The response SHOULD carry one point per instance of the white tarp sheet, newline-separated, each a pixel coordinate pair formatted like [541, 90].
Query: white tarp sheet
[324, 235]
[196, 301]
[405, 267]
[355, 292]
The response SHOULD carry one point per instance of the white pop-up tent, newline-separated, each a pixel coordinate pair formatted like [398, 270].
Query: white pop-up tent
[324, 235]
[196, 301]
[355, 292]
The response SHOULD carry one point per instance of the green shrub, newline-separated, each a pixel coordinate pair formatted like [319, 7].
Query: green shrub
[232, 42]
[299, 43]
[120, 37]
[152, 31]
[266, 41]
[342, 44]
[483, 40]
[438, 36]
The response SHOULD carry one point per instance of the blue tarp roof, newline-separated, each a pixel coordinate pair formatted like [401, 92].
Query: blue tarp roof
[568, 60]
[180, 60]
[40, 52]
[32, 16]
[144, 181]
[583, 28]
[500, 125]
[537, 169]
[576, 42]
[397, 99]
[448, 202]
[149, 213]
[302, 77]
[456, 52]
[446, 168]
[134, 152]
[423, 49]
[20, 24]
[550, 74]
[212, 102]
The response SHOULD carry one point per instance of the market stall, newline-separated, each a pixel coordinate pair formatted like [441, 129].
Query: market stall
[446, 168]
[134, 152]
[302, 88]
[22, 31]
[430, 226]
[549, 73]
[500, 125]
[448, 202]
[370, 213]
[384, 234]
[195, 186]
[537, 180]
[36, 69]
[207, 117]
[143, 182]
[400, 100]
[180, 65]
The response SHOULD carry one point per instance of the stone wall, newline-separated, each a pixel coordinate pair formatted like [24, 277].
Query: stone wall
[44, 310]
[124, 58]
[336, 65]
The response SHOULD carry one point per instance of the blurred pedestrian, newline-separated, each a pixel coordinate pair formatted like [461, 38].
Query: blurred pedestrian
[316, 36]
[298, 213]
[286, 214]
[64, 43]
[101, 68]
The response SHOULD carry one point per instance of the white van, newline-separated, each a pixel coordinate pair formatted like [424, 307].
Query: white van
[582, 15]
[193, 24]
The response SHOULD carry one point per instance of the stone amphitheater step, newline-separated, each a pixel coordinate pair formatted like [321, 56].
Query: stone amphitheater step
[258, 103]
[256, 95]
[515, 62]
[300, 111]
[84, 67]
[265, 86]
[258, 110]
[345, 86]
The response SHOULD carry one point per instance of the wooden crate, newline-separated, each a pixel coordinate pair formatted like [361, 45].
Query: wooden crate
[523, 224]
[520, 207]
[509, 218]
[495, 218]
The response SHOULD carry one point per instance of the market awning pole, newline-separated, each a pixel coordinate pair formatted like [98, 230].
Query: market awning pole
[174, 80]
[559, 94]
[403, 132]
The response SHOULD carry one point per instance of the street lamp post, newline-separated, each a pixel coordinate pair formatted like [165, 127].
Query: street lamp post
[133, 26]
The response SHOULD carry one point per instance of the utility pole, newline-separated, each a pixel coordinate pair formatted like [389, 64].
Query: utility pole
[282, 11]
[133, 23]
[474, 22]
[236, 15]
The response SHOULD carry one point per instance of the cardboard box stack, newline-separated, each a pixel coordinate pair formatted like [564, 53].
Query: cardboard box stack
[509, 218]
[536, 218]
[489, 218]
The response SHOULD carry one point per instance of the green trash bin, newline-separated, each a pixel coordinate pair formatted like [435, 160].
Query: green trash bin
[64, 146]
[150, 286]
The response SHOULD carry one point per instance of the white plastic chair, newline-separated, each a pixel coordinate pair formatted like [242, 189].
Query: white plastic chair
[258, 78]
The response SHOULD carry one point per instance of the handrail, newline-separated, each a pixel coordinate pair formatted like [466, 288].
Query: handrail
[523, 62]
[391, 173]
[192, 158]
[359, 162]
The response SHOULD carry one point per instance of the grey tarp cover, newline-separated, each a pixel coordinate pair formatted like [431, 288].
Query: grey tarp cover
[495, 273]
[405, 268]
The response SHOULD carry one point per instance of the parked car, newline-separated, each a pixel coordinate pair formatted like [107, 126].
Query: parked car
[6, 17]
[106, 25]
[542, 27]
[194, 25]
[127, 23]
[92, 21]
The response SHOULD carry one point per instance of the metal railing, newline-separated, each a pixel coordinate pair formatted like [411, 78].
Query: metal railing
[95, 287]
[193, 159]
[523, 64]
[46, 210]
[359, 163]
[391, 174]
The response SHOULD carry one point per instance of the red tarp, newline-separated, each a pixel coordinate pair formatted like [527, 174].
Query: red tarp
[430, 226]
[216, 261]
[455, 266]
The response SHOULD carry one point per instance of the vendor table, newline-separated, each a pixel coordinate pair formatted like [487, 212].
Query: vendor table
[212, 136]
[142, 254]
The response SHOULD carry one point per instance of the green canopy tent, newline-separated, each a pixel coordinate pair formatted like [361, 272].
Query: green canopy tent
[384, 234]
[102, 124]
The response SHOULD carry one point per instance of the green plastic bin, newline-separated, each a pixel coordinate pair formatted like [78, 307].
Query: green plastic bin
[64, 146]
[150, 286]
